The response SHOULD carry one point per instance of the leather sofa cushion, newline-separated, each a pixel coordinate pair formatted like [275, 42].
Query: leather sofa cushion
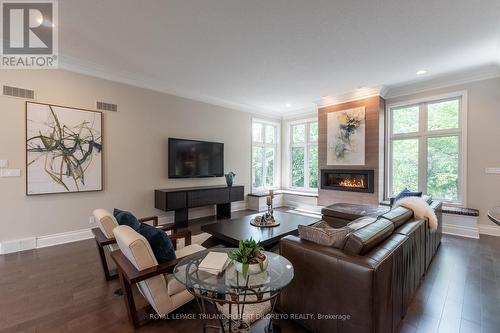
[409, 227]
[352, 211]
[398, 216]
[363, 240]
[361, 222]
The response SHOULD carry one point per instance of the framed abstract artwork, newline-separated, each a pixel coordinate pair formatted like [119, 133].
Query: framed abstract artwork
[346, 137]
[63, 149]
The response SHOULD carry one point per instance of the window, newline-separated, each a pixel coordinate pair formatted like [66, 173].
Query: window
[303, 155]
[427, 147]
[264, 155]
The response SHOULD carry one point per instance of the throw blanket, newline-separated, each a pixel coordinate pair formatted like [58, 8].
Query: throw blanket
[420, 208]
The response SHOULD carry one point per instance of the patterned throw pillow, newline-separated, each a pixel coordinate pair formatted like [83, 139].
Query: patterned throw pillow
[321, 233]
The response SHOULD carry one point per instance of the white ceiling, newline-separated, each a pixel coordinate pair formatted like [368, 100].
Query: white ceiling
[260, 55]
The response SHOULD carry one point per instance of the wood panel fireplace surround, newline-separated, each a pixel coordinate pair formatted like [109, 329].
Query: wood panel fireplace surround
[347, 180]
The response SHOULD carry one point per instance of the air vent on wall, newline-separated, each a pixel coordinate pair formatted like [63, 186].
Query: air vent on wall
[18, 92]
[107, 106]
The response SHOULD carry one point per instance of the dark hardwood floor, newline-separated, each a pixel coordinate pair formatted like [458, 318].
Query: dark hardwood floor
[62, 289]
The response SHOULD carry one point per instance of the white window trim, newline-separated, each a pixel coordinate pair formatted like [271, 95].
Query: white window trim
[462, 133]
[277, 160]
[287, 172]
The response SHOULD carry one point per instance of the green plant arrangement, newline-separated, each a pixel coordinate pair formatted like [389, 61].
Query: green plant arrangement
[248, 255]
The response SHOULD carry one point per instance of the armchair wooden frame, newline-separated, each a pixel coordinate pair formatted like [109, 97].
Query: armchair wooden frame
[102, 241]
[129, 276]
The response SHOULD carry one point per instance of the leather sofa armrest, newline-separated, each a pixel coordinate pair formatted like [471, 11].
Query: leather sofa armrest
[326, 281]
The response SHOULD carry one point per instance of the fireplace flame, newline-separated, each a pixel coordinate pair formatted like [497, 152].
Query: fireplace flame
[353, 182]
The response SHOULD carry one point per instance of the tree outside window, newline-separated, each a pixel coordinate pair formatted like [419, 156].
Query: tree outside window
[264, 155]
[304, 155]
[425, 149]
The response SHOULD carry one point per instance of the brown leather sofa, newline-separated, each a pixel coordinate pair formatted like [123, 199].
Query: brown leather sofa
[368, 284]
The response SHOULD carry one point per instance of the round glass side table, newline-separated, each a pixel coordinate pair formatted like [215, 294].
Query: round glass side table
[494, 215]
[230, 291]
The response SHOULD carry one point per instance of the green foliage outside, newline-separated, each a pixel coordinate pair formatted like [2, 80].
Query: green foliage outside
[298, 166]
[313, 167]
[442, 167]
[257, 166]
[442, 151]
[404, 165]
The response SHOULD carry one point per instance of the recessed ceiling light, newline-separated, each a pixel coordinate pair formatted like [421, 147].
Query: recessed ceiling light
[288, 105]
[421, 72]
[40, 20]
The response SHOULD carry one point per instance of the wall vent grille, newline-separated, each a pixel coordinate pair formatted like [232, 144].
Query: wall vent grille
[18, 92]
[107, 106]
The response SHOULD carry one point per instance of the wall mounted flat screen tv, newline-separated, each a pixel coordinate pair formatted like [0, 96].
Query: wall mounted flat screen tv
[193, 159]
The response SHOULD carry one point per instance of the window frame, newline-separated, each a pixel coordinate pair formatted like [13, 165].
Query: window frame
[306, 145]
[423, 134]
[277, 151]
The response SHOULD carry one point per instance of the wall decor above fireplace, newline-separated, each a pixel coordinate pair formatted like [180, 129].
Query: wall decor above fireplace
[347, 180]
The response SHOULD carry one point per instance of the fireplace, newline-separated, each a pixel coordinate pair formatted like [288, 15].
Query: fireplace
[347, 180]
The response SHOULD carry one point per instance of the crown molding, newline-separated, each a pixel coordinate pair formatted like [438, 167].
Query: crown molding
[75, 65]
[443, 81]
[353, 95]
[300, 113]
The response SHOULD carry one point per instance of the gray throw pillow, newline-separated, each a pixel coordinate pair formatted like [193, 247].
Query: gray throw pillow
[321, 233]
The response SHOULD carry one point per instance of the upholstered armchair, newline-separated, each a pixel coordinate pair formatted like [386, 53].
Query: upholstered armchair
[105, 239]
[137, 265]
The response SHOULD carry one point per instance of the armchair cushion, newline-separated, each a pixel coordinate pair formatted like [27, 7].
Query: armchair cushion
[137, 250]
[174, 286]
[187, 250]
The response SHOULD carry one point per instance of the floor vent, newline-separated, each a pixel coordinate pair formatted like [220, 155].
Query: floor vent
[18, 92]
[107, 106]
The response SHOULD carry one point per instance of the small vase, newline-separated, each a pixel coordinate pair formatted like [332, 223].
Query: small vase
[229, 178]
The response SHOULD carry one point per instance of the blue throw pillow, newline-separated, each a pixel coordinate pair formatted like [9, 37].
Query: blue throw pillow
[161, 244]
[126, 218]
[405, 193]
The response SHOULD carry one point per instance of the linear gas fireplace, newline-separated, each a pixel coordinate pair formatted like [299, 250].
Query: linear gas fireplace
[347, 180]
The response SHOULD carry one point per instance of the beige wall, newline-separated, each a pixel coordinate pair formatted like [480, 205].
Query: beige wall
[483, 139]
[135, 149]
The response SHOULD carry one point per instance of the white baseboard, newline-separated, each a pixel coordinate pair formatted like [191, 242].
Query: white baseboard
[31, 243]
[18, 245]
[461, 231]
[63, 238]
[460, 225]
[489, 230]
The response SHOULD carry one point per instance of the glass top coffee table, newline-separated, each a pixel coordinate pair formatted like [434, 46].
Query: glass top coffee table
[494, 215]
[231, 292]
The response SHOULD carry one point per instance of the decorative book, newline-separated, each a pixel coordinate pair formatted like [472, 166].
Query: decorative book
[214, 262]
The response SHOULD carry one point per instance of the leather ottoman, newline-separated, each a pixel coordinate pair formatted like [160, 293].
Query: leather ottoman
[340, 214]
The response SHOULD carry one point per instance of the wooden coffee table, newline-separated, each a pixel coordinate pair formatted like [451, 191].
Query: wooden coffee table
[231, 231]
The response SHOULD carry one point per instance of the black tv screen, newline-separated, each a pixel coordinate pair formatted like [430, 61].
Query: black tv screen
[191, 158]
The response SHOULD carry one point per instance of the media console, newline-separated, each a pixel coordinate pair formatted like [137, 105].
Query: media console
[181, 199]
